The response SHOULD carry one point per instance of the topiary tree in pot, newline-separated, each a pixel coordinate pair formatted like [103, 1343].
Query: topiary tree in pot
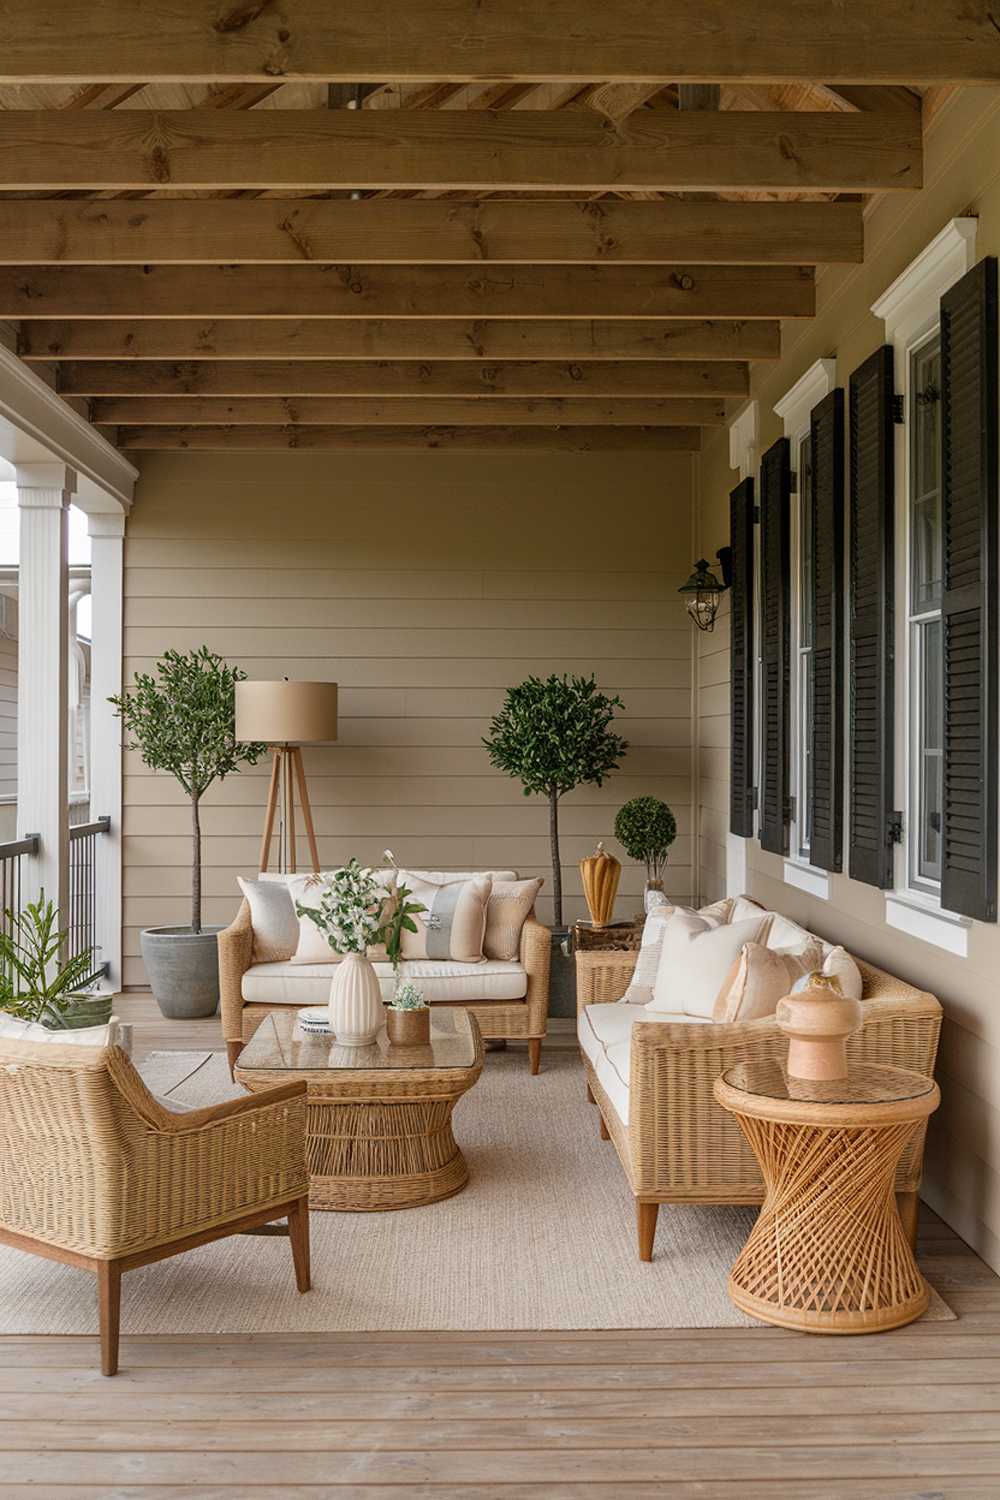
[182, 720]
[555, 735]
[645, 828]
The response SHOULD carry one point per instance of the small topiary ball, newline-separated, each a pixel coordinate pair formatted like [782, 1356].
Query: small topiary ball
[645, 828]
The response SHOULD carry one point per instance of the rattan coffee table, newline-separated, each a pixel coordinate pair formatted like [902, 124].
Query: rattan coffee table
[828, 1253]
[378, 1121]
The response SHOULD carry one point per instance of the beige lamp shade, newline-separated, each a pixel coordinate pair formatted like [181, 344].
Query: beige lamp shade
[287, 713]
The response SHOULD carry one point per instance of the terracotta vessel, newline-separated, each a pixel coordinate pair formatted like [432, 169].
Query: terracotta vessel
[408, 1028]
[817, 1021]
[600, 873]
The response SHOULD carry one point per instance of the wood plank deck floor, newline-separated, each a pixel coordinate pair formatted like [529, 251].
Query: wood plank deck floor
[757, 1413]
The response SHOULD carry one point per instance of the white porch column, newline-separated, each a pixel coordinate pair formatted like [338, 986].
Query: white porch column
[44, 492]
[106, 578]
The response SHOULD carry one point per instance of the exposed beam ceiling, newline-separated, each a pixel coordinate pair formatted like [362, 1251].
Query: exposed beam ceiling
[404, 411]
[399, 338]
[316, 291]
[569, 439]
[851, 41]
[386, 231]
[474, 150]
[419, 378]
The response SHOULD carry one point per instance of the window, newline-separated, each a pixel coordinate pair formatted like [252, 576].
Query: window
[926, 725]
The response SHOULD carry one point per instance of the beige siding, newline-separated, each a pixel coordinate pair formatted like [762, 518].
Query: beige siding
[424, 584]
[963, 1161]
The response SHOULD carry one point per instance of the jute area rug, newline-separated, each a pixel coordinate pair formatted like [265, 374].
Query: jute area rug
[543, 1237]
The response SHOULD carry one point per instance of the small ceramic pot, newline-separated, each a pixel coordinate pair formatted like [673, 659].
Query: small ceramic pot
[817, 1021]
[355, 1002]
[408, 1028]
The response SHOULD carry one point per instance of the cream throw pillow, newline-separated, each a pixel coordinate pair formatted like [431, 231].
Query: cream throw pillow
[510, 904]
[312, 947]
[758, 979]
[273, 918]
[453, 924]
[838, 964]
[695, 958]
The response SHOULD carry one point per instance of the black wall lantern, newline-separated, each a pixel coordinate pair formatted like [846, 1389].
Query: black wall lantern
[703, 591]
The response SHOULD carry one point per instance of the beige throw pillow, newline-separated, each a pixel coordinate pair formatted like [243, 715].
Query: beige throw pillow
[510, 904]
[312, 947]
[758, 979]
[838, 964]
[695, 958]
[453, 924]
[273, 919]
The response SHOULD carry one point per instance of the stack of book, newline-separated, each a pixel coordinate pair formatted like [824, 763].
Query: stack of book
[315, 1021]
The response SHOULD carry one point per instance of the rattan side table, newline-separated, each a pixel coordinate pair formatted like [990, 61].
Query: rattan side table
[828, 1253]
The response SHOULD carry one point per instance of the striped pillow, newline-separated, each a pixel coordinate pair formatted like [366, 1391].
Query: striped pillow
[453, 924]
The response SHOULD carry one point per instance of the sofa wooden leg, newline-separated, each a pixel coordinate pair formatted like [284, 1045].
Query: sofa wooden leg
[909, 1213]
[605, 1132]
[646, 1216]
[590, 1095]
[298, 1231]
[233, 1050]
[535, 1053]
[109, 1299]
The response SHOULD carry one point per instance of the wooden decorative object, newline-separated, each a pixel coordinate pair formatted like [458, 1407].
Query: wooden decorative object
[408, 1028]
[600, 873]
[378, 1124]
[828, 1253]
[817, 1021]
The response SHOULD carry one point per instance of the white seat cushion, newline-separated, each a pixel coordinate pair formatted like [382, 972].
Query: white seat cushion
[605, 1035]
[13, 1029]
[443, 981]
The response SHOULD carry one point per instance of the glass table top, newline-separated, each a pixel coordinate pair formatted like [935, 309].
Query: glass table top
[279, 1044]
[865, 1085]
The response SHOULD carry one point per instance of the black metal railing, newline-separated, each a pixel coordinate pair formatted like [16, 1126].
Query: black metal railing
[82, 924]
[12, 854]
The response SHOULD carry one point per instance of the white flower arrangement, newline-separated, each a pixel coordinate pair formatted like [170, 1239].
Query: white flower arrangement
[408, 997]
[350, 914]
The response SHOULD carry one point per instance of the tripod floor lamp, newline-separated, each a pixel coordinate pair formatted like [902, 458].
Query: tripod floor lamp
[287, 715]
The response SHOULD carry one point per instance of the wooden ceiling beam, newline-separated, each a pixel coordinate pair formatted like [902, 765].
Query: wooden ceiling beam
[564, 439]
[386, 231]
[353, 291]
[349, 411]
[521, 150]
[854, 41]
[416, 378]
[399, 338]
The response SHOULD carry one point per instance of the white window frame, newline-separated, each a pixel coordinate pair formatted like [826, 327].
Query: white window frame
[795, 410]
[744, 433]
[910, 311]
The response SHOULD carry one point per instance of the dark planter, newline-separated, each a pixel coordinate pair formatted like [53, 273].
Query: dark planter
[81, 1011]
[562, 974]
[183, 969]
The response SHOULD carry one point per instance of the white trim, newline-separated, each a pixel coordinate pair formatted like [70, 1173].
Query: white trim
[37, 426]
[939, 265]
[106, 544]
[736, 864]
[744, 435]
[924, 919]
[807, 878]
[796, 404]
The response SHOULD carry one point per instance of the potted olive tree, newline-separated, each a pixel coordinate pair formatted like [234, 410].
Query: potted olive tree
[553, 736]
[182, 720]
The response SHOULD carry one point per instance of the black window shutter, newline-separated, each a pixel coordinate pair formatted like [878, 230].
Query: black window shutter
[871, 604]
[827, 443]
[969, 605]
[775, 493]
[741, 663]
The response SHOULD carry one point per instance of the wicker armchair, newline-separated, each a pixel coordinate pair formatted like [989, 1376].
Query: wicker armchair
[95, 1173]
[511, 1020]
[679, 1145]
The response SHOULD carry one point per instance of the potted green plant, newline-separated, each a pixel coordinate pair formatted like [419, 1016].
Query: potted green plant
[408, 1018]
[554, 735]
[350, 912]
[182, 720]
[645, 828]
[37, 982]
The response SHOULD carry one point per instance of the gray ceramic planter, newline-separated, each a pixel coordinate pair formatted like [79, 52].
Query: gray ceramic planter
[562, 974]
[183, 969]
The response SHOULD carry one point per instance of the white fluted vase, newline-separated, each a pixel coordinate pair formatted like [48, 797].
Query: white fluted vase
[355, 1002]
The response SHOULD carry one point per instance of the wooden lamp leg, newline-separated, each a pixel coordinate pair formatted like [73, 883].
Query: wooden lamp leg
[307, 818]
[109, 1299]
[272, 808]
[289, 760]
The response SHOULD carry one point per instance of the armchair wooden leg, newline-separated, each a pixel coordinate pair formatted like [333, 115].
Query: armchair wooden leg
[646, 1214]
[109, 1299]
[605, 1132]
[535, 1053]
[909, 1213]
[298, 1231]
[233, 1050]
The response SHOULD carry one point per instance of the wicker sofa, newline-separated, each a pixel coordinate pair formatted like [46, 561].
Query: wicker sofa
[509, 1000]
[675, 1143]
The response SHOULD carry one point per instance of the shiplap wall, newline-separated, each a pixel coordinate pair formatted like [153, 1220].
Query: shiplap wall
[425, 584]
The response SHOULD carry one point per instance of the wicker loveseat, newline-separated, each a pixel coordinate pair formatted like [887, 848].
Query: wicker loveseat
[509, 1000]
[675, 1143]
